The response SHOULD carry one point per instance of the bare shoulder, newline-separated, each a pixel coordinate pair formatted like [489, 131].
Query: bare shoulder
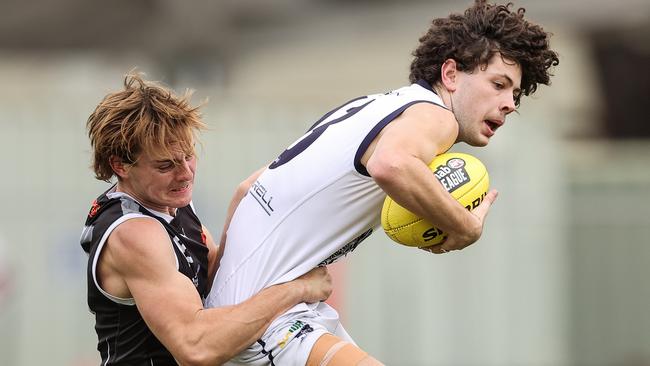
[140, 240]
[431, 115]
[423, 130]
[135, 232]
[434, 126]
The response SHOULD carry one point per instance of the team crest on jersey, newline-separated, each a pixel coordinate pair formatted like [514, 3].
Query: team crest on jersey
[452, 175]
[93, 209]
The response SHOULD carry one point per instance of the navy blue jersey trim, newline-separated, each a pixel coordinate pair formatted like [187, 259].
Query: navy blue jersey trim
[334, 110]
[423, 83]
[311, 136]
[375, 131]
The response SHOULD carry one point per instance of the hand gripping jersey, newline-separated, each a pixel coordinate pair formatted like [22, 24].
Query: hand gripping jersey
[123, 336]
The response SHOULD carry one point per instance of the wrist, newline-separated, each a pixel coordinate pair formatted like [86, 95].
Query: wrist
[301, 290]
[475, 229]
[295, 290]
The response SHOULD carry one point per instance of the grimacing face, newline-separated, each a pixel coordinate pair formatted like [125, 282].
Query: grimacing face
[160, 185]
[483, 98]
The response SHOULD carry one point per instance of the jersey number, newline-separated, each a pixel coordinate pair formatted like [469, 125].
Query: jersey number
[290, 153]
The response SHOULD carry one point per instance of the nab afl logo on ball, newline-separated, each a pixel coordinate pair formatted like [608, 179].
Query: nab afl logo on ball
[452, 175]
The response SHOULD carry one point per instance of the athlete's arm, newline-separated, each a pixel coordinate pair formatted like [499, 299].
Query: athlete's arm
[398, 161]
[139, 262]
[240, 192]
[213, 258]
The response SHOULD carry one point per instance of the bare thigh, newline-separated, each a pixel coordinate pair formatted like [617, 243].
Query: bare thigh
[330, 350]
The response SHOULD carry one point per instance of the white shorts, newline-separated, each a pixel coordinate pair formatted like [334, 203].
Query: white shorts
[290, 338]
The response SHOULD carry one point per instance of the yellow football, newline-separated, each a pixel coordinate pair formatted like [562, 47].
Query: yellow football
[462, 175]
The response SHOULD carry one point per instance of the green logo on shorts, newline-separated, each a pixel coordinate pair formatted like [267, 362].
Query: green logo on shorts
[294, 327]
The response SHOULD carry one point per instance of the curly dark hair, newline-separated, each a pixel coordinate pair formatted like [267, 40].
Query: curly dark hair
[472, 38]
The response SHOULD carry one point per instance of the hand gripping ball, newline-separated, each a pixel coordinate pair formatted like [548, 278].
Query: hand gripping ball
[462, 175]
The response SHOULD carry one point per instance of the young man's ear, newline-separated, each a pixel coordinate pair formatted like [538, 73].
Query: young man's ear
[120, 168]
[449, 74]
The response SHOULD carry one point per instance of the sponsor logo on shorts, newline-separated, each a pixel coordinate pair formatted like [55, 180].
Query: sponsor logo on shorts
[453, 174]
[296, 330]
[303, 332]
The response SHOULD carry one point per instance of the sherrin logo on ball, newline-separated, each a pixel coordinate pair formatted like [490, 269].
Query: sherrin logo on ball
[462, 175]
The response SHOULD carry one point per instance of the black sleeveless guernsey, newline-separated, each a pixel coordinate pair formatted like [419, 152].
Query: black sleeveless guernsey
[123, 336]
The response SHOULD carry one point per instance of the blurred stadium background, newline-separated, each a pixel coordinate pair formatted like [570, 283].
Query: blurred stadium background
[559, 277]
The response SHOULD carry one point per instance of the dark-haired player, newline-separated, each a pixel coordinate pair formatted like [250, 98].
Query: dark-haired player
[322, 196]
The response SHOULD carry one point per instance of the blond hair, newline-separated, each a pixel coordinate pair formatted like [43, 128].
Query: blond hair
[144, 117]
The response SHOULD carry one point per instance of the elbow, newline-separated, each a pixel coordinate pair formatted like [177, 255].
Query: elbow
[384, 172]
[196, 356]
[191, 355]
[196, 352]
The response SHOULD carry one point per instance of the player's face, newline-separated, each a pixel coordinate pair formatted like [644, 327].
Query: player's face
[484, 98]
[161, 185]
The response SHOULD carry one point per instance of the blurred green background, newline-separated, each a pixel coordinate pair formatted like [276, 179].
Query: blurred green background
[559, 277]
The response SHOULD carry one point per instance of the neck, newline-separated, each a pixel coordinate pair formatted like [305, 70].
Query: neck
[445, 95]
[447, 99]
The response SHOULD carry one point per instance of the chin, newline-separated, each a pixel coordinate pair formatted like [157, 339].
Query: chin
[475, 139]
[180, 202]
[479, 142]
[185, 202]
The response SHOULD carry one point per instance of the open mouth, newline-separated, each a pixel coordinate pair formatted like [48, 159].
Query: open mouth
[492, 125]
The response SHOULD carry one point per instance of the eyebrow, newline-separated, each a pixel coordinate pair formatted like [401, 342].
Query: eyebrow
[163, 161]
[167, 161]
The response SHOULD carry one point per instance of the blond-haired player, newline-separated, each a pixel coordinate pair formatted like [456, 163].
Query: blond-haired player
[150, 260]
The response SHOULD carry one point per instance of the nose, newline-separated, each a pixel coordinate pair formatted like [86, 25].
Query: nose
[185, 170]
[508, 105]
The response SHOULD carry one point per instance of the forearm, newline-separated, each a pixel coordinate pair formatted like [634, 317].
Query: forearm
[213, 257]
[229, 330]
[240, 192]
[412, 185]
[212, 336]
[172, 308]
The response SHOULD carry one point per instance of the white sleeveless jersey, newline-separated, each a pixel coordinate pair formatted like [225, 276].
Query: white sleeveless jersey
[315, 202]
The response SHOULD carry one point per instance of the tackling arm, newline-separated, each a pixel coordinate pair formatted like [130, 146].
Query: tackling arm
[240, 192]
[213, 255]
[140, 255]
